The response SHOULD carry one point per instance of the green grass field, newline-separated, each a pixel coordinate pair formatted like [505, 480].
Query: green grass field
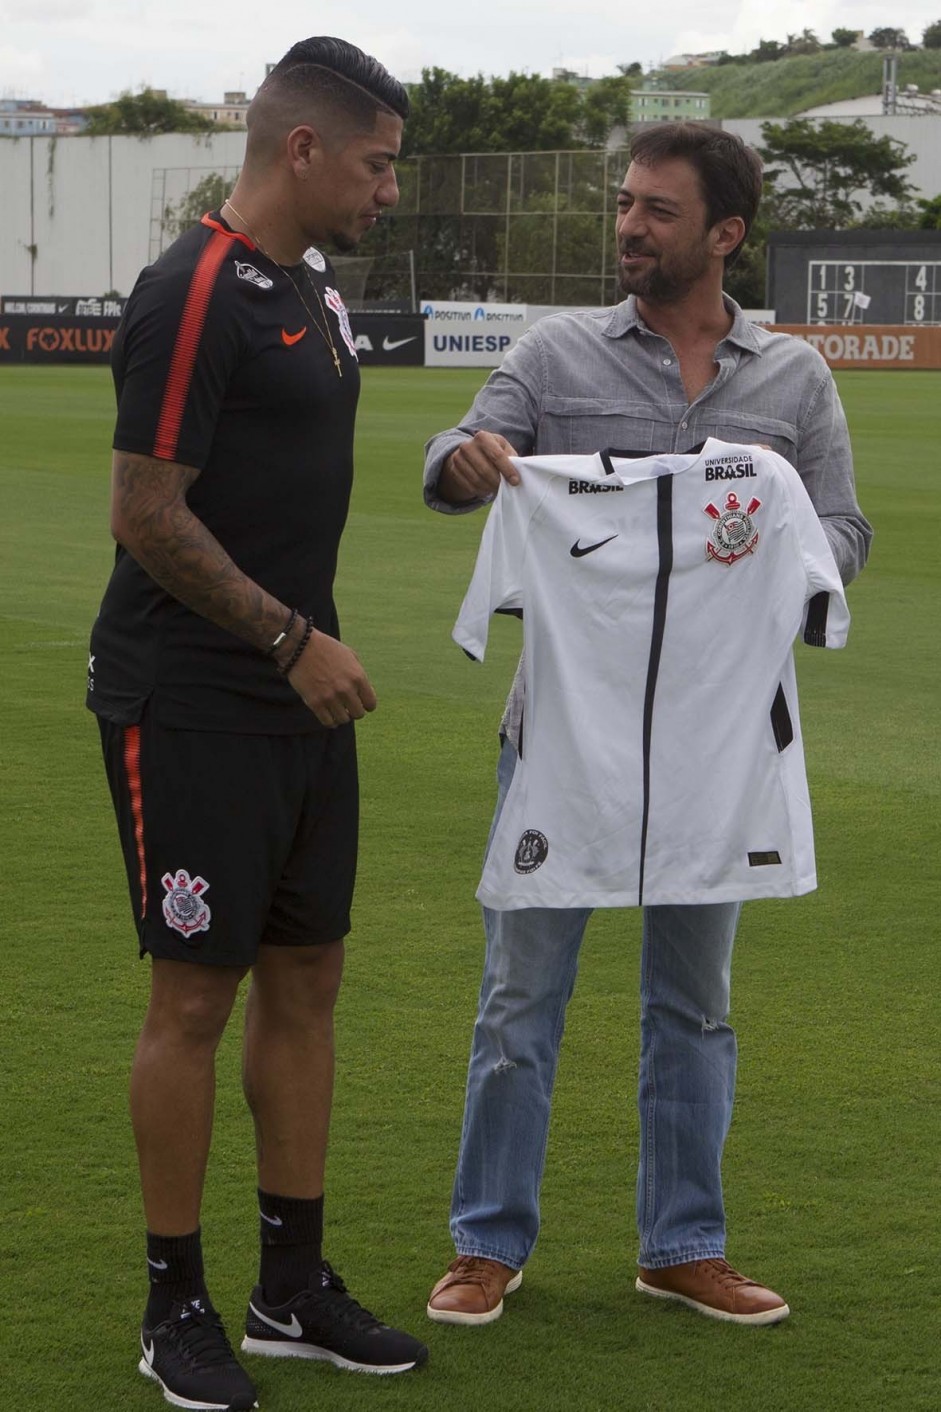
[832, 1168]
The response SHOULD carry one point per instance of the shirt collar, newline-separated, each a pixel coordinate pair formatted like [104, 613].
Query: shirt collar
[624, 318]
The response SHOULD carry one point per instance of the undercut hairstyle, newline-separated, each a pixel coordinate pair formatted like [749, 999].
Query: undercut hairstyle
[331, 85]
[730, 173]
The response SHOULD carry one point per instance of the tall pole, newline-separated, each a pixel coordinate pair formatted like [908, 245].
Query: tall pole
[890, 86]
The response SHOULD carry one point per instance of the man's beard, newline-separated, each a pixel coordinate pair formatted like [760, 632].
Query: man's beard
[344, 244]
[660, 285]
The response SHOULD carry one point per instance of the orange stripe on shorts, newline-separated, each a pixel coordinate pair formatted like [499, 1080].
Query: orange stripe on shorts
[132, 769]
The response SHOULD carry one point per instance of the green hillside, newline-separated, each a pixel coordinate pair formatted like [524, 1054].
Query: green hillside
[788, 86]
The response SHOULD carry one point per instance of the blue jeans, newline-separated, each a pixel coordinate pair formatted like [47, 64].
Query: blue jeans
[687, 1076]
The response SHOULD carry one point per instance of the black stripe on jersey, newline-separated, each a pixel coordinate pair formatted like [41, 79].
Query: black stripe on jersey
[815, 629]
[665, 548]
[610, 454]
[781, 720]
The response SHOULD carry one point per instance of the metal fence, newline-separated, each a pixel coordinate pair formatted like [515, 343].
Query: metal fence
[524, 227]
[519, 227]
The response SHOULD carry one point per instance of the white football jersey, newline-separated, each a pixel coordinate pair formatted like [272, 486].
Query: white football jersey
[661, 756]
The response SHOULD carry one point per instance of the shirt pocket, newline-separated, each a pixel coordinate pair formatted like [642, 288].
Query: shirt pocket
[580, 426]
[751, 428]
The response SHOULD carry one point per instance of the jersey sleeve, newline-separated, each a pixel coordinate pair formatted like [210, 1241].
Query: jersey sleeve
[497, 580]
[181, 342]
[826, 616]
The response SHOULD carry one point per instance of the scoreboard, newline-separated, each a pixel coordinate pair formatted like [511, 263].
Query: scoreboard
[860, 277]
[873, 292]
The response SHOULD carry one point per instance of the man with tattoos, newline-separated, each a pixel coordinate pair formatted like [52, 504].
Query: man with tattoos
[226, 704]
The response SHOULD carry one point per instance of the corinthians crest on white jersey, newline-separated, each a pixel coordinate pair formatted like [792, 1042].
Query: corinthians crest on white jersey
[734, 534]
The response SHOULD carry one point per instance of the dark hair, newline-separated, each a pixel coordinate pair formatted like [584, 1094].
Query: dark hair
[343, 75]
[730, 174]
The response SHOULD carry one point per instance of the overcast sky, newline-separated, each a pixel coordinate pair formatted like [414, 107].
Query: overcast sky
[86, 51]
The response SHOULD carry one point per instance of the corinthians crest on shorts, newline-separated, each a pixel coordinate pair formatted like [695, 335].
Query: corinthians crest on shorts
[734, 534]
[183, 907]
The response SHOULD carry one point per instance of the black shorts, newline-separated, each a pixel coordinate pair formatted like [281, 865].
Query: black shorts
[234, 841]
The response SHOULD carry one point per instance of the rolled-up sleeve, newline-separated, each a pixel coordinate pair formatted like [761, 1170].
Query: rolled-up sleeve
[507, 404]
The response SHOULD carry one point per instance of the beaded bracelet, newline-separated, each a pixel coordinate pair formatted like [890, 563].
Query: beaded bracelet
[270, 651]
[295, 656]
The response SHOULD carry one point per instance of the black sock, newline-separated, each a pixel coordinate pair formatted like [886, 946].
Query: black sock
[291, 1231]
[175, 1270]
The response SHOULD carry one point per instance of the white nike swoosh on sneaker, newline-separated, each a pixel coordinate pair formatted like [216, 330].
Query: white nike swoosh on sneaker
[293, 1329]
[148, 1352]
[157, 1264]
[272, 1220]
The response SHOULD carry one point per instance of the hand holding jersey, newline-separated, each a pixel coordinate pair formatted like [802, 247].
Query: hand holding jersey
[674, 364]
[474, 471]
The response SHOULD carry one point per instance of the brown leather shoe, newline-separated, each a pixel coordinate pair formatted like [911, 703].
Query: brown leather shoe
[714, 1288]
[472, 1291]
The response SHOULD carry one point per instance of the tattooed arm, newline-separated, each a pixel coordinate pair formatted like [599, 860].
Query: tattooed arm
[152, 521]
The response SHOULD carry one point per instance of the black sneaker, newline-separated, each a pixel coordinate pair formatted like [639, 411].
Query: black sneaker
[192, 1360]
[326, 1322]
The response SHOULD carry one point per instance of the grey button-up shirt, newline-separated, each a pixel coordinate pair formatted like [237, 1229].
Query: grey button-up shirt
[587, 381]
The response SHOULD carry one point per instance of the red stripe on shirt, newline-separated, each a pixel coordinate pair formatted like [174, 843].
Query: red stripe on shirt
[187, 346]
[207, 220]
[132, 770]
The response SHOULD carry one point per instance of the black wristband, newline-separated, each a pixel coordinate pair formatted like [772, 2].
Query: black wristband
[295, 656]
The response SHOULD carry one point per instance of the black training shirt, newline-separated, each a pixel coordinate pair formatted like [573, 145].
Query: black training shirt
[219, 363]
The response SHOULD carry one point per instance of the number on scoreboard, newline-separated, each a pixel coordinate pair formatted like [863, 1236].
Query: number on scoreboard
[837, 293]
[923, 294]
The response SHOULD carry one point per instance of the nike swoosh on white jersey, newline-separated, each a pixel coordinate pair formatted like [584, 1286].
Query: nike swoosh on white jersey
[579, 550]
[389, 343]
[293, 1329]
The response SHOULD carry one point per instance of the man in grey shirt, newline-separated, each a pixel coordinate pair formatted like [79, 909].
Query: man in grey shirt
[673, 364]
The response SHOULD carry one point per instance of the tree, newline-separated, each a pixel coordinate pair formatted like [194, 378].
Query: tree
[206, 195]
[767, 51]
[930, 218]
[844, 38]
[887, 38]
[931, 36]
[804, 43]
[605, 106]
[519, 113]
[144, 114]
[816, 172]
[879, 217]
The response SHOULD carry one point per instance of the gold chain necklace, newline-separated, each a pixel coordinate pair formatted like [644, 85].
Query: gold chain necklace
[323, 330]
